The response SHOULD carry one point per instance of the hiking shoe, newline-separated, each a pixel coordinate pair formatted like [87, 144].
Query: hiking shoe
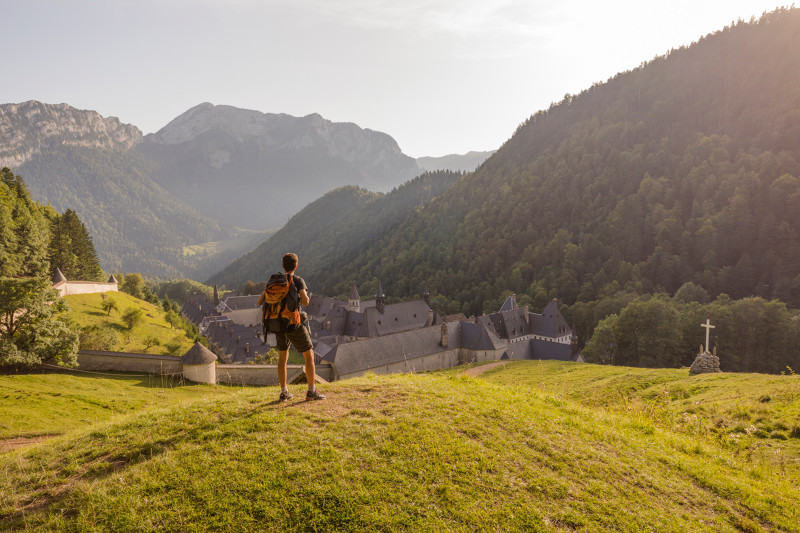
[314, 395]
[286, 396]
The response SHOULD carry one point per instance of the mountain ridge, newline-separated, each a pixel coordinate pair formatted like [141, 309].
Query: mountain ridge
[28, 127]
[207, 174]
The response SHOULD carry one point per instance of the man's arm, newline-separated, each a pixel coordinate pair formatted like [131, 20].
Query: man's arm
[304, 299]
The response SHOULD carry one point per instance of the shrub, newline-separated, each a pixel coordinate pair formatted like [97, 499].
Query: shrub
[98, 338]
[132, 316]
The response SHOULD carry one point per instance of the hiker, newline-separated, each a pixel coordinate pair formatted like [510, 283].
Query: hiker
[282, 297]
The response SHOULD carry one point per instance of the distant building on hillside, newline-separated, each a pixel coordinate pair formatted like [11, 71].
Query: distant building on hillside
[65, 287]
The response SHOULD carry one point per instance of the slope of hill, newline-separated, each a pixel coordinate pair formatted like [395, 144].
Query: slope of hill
[685, 169]
[410, 452]
[457, 162]
[337, 226]
[255, 170]
[135, 224]
[86, 311]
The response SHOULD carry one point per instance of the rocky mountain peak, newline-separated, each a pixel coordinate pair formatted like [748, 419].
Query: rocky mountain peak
[29, 127]
[279, 131]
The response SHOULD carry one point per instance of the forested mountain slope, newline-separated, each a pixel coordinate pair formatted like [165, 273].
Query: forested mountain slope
[329, 232]
[135, 224]
[685, 169]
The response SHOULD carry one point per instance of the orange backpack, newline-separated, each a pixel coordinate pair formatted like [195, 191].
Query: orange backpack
[281, 300]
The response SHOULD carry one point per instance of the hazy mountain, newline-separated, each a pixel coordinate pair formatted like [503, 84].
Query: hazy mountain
[686, 169]
[255, 170]
[169, 204]
[458, 162]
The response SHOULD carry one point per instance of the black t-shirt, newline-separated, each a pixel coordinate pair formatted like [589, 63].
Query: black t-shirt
[299, 283]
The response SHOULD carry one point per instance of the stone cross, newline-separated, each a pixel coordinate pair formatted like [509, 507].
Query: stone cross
[708, 327]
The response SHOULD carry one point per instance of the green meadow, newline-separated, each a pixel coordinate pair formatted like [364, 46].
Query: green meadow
[525, 447]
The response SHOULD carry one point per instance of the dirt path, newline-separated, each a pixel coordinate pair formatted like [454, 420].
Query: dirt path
[478, 370]
[7, 445]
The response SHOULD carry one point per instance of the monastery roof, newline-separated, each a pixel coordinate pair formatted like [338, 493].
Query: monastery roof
[550, 323]
[379, 292]
[395, 318]
[364, 354]
[478, 337]
[248, 351]
[520, 350]
[354, 293]
[510, 304]
[234, 303]
[551, 350]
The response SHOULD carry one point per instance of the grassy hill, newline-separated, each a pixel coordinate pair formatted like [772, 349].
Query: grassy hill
[38, 405]
[435, 452]
[86, 311]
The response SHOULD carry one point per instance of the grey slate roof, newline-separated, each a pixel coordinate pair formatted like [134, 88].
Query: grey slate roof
[235, 303]
[395, 318]
[353, 293]
[112, 279]
[551, 350]
[322, 305]
[550, 323]
[520, 350]
[379, 292]
[198, 355]
[510, 304]
[479, 337]
[248, 351]
[364, 354]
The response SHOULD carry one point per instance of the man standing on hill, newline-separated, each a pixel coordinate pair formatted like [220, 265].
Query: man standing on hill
[297, 334]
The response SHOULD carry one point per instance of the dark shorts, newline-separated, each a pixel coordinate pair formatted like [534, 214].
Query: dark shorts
[298, 336]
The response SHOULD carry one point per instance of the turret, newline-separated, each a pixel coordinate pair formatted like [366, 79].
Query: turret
[380, 298]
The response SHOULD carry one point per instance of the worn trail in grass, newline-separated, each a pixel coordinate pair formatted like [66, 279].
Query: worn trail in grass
[390, 453]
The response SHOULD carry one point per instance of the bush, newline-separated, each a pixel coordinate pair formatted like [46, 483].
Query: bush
[151, 341]
[98, 338]
[173, 347]
[132, 316]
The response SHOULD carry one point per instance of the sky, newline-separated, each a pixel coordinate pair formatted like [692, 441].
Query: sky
[439, 76]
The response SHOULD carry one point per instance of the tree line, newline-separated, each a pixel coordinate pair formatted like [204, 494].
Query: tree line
[33, 323]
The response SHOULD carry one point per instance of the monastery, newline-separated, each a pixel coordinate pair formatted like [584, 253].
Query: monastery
[358, 336]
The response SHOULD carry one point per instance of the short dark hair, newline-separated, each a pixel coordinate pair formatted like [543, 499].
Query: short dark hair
[289, 262]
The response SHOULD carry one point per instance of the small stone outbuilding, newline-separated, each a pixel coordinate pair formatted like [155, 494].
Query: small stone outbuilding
[199, 365]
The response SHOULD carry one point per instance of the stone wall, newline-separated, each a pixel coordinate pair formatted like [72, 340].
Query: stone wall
[66, 288]
[267, 375]
[434, 361]
[98, 361]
